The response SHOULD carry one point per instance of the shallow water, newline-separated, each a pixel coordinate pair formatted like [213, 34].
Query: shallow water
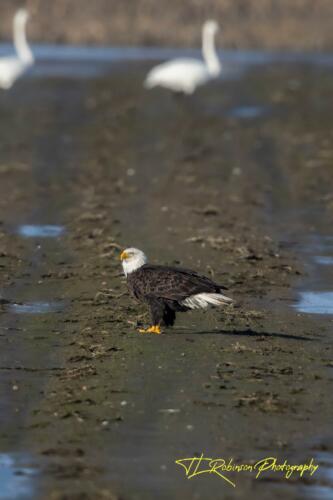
[36, 308]
[323, 260]
[316, 294]
[102, 54]
[92, 62]
[323, 490]
[16, 478]
[315, 303]
[248, 112]
[40, 231]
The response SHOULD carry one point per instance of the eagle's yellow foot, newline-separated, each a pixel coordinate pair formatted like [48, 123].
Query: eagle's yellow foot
[152, 329]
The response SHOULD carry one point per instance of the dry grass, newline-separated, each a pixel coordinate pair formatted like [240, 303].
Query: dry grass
[256, 24]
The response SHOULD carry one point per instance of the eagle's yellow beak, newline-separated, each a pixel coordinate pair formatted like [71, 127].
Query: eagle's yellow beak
[124, 255]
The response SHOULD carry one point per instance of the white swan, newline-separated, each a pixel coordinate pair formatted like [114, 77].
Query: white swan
[11, 68]
[185, 75]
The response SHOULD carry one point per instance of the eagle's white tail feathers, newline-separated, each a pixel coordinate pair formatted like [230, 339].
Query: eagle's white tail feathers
[204, 300]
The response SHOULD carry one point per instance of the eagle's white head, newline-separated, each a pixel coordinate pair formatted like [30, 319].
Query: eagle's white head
[132, 259]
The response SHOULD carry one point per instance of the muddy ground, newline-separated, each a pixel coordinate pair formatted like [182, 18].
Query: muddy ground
[232, 182]
[256, 24]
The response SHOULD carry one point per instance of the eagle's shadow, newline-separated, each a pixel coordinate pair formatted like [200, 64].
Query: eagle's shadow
[244, 333]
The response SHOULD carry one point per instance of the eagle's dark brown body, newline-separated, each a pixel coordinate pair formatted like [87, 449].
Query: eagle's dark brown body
[165, 288]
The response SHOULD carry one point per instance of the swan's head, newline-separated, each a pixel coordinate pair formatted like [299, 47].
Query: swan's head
[132, 259]
[211, 27]
[21, 16]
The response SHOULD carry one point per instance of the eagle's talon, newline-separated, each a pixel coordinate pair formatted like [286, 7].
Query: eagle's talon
[153, 329]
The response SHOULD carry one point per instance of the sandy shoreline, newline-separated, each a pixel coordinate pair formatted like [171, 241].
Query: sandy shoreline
[304, 25]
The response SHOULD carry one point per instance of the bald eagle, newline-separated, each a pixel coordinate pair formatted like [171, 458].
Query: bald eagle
[168, 290]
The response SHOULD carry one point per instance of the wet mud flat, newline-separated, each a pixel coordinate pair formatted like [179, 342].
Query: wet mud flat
[235, 182]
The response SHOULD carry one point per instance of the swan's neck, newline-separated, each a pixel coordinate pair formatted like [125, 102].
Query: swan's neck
[22, 48]
[209, 52]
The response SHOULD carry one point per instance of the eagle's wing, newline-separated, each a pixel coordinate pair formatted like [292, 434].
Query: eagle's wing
[173, 283]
